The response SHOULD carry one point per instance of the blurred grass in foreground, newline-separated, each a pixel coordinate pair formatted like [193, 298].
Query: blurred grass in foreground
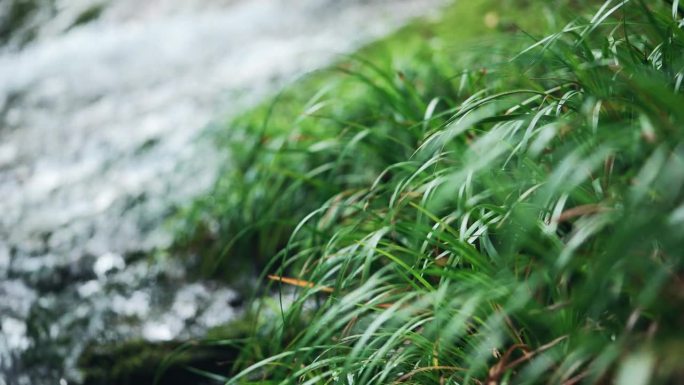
[450, 213]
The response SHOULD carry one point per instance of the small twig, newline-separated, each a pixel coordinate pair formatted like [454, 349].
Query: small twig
[529, 355]
[496, 371]
[501, 367]
[580, 211]
[300, 283]
[576, 379]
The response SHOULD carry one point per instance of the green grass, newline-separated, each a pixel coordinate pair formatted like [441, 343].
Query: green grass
[320, 136]
[509, 212]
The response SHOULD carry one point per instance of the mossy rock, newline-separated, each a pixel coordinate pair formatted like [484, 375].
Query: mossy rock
[166, 363]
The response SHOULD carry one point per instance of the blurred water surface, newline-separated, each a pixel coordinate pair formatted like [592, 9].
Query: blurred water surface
[102, 109]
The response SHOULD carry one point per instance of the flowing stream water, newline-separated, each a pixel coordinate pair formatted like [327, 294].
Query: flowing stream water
[101, 123]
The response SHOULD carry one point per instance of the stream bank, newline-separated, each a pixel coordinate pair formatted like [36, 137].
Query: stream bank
[103, 123]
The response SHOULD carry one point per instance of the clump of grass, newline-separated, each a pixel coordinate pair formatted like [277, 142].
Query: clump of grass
[321, 136]
[524, 227]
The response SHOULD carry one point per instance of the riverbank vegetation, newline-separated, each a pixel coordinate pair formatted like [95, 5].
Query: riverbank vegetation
[493, 198]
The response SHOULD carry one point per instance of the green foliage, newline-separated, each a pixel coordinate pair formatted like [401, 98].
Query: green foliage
[517, 223]
[321, 136]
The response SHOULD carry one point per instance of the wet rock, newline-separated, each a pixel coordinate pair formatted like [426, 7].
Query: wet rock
[4, 261]
[51, 272]
[107, 263]
[8, 154]
[16, 299]
[15, 333]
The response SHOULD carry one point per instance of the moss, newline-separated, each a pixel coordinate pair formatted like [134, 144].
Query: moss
[142, 362]
[170, 363]
[232, 330]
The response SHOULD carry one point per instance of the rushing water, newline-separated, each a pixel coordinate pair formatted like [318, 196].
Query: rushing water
[101, 137]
